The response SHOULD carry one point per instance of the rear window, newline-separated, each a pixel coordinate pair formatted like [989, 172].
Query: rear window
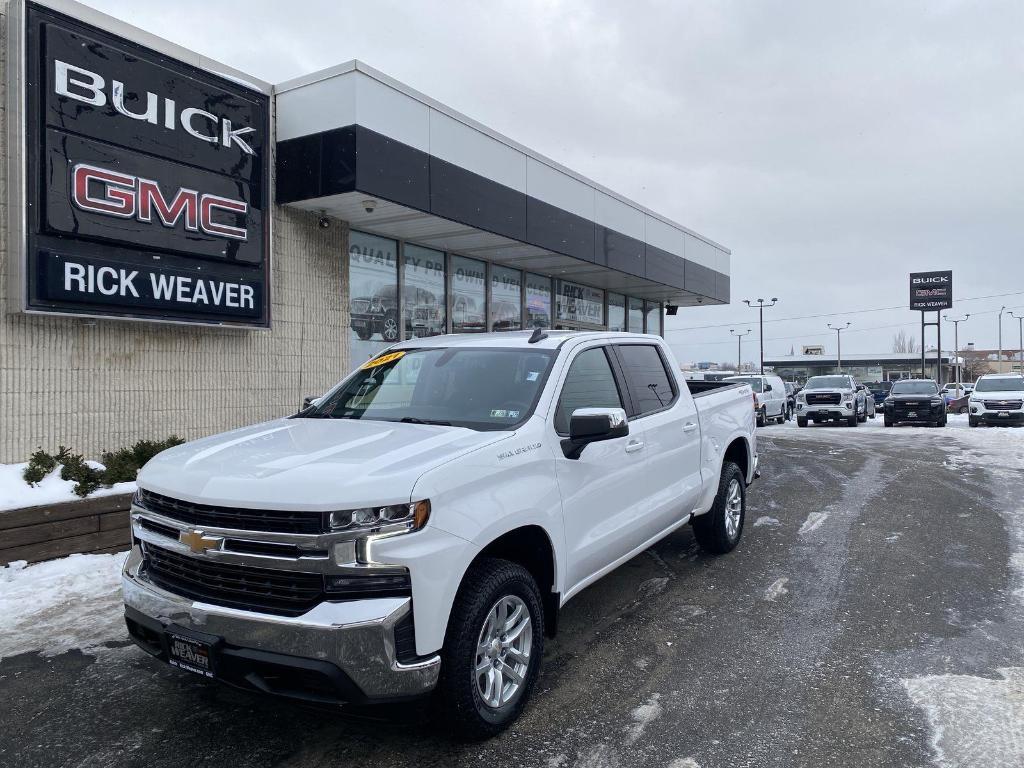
[648, 381]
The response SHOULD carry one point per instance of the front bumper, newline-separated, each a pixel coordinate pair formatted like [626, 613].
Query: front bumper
[336, 652]
[922, 415]
[824, 412]
[993, 417]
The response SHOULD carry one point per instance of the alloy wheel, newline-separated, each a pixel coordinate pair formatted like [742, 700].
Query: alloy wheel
[503, 651]
[733, 508]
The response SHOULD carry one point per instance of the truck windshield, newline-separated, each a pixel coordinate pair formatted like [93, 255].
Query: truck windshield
[914, 388]
[1009, 384]
[753, 381]
[474, 387]
[828, 382]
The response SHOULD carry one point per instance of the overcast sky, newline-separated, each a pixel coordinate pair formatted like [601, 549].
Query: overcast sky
[833, 147]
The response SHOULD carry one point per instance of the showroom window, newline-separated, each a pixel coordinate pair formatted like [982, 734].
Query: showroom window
[373, 294]
[580, 303]
[538, 301]
[423, 292]
[652, 317]
[469, 295]
[506, 299]
[616, 312]
[636, 315]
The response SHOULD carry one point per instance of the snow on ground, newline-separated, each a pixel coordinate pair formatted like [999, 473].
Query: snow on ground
[16, 493]
[61, 605]
[776, 590]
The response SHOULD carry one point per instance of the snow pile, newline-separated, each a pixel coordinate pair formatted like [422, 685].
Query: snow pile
[60, 605]
[16, 493]
[776, 590]
[643, 715]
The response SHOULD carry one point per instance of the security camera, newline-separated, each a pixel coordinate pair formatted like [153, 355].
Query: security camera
[369, 205]
[700, 299]
[323, 222]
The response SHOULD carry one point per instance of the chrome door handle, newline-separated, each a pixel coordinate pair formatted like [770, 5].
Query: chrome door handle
[634, 446]
[689, 426]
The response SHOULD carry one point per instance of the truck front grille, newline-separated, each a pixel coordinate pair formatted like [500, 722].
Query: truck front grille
[283, 593]
[823, 398]
[1003, 405]
[229, 517]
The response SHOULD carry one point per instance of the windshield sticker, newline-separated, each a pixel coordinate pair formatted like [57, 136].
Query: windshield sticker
[498, 413]
[532, 375]
[513, 414]
[382, 360]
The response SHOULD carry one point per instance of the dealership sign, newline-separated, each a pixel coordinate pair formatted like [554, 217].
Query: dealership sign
[146, 180]
[931, 291]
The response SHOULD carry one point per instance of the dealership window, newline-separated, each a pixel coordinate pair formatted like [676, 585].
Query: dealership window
[652, 317]
[469, 295]
[506, 299]
[538, 301]
[616, 312]
[423, 291]
[579, 303]
[636, 315]
[373, 294]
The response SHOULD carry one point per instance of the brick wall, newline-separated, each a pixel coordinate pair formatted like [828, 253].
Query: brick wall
[98, 385]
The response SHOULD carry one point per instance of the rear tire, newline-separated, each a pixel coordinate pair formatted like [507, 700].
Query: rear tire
[718, 531]
[491, 590]
[762, 417]
[888, 422]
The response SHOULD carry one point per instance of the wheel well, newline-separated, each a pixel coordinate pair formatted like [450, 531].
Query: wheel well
[737, 454]
[531, 548]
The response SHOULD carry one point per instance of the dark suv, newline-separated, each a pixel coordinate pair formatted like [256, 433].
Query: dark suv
[915, 401]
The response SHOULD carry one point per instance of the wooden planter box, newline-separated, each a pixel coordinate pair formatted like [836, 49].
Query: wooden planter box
[53, 530]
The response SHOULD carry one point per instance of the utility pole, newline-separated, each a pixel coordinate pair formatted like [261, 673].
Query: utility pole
[1020, 339]
[839, 343]
[1000, 359]
[739, 348]
[760, 316]
[956, 345]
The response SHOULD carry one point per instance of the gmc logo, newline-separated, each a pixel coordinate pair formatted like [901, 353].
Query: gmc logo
[110, 193]
[926, 280]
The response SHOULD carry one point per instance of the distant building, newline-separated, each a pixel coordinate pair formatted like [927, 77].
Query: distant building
[813, 349]
[889, 366]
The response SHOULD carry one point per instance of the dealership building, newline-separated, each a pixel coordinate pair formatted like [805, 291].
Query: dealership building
[186, 249]
[875, 366]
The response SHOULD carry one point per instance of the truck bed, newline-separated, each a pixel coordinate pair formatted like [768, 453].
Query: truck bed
[701, 388]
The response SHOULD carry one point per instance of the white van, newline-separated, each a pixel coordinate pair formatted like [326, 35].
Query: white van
[769, 397]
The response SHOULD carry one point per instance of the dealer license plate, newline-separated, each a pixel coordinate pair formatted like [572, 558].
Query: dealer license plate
[190, 654]
[1004, 414]
[912, 415]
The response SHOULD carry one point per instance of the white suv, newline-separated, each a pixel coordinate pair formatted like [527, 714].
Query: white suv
[998, 398]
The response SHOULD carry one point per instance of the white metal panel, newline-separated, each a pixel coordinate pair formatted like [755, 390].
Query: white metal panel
[320, 106]
[662, 235]
[615, 214]
[723, 261]
[475, 151]
[390, 112]
[559, 189]
[700, 252]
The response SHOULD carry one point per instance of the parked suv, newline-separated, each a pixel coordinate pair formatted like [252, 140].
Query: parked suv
[419, 527]
[915, 401]
[998, 398]
[831, 398]
[769, 397]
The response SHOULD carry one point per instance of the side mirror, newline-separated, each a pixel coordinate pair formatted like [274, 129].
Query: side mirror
[311, 400]
[861, 387]
[592, 425]
[768, 388]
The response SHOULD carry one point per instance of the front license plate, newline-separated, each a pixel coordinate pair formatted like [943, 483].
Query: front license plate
[190, 654]
[1004, 414]
[912, 415]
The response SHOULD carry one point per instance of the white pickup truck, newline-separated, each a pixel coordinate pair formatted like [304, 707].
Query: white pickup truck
[419, 527]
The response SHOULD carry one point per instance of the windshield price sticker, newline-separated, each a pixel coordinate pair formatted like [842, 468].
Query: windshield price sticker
[382, 360]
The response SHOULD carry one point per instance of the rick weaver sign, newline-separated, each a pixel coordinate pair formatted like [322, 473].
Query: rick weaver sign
[146, 181]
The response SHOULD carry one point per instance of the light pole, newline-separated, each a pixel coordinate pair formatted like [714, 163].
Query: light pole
[760, 318]
[956, 346]
[999, 361]
[839, 343]
[739, 348]
[1020, 338]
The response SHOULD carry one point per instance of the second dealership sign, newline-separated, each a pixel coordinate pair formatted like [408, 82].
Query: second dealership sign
[146, 181]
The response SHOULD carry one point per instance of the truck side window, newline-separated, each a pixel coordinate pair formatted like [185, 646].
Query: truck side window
[646, 377]
[589, 384]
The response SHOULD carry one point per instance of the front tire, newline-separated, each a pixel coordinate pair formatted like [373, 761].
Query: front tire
[973, 422]
[718, 531]
[762, 417]
[801, 421]
[493, 647]
[853, 421]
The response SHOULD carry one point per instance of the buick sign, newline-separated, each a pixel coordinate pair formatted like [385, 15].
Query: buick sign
[931, 291]
[146, 181]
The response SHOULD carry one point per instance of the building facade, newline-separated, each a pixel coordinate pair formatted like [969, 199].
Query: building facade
[863, 367]
[311, 224]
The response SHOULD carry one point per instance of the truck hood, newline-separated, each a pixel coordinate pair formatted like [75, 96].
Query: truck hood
[830, 391]
[309, 464]
[1005, 394]
[915, 398]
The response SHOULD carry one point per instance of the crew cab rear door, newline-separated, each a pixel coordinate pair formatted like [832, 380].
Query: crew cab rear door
[672, 434]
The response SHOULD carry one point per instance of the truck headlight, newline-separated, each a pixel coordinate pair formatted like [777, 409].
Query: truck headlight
[394, 518]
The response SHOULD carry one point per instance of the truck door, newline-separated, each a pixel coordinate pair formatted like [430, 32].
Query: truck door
[602, 495]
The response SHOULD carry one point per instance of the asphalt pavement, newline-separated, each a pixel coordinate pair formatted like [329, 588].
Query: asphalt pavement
[868, 618]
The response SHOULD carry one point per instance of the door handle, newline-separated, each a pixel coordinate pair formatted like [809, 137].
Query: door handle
[689, 426]
[634, 446]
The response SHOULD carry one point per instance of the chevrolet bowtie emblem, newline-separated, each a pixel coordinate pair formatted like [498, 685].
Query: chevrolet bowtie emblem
[199, 542]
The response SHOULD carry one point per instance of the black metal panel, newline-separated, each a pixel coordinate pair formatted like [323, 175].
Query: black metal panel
[297, 174]
[700, 279]
[554, 229]
[620, 251]
[476, 201]
[390, 169]
[722, 286]
[664, 267]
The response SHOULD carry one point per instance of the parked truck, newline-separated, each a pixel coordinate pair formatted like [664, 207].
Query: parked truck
[418, 528]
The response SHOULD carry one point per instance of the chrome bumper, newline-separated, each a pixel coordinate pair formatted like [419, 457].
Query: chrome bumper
[356, 636]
